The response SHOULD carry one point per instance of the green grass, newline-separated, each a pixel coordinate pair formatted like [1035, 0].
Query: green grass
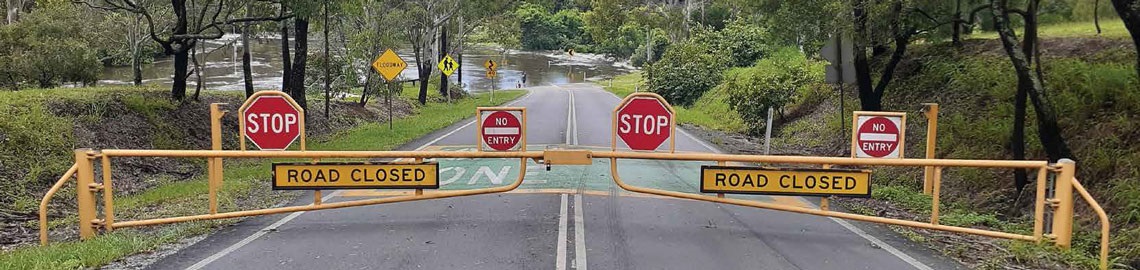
[710, 111]
[243, 177]
[1112, 28]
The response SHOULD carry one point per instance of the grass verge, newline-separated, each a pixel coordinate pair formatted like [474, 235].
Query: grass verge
[242, 178]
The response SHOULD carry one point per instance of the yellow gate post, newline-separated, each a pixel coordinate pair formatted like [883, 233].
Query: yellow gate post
[214, 165]
[931, 112]
[85, 178]
[1063, 204]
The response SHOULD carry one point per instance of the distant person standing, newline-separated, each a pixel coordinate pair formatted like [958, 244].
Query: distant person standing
[524, 78]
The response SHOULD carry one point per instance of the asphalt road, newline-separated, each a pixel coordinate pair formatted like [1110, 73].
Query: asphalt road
[568, 217]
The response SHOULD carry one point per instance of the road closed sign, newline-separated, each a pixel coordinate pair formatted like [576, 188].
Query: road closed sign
[502, 129]
[308, 176]
[879, 134]
[644, 121]
[780, 181]
[271, 120]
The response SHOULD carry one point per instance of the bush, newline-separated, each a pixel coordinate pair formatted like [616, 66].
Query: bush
[43, 48]
[743, 42]
[542, 30]
[660, 44]
[685, 72]
[772, 83]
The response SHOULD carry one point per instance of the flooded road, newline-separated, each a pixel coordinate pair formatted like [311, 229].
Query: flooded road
[222, 66]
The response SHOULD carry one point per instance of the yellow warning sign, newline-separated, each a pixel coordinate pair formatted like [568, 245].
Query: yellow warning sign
[448, 65]
[490, 65]
[491, 74]
[389, 65]
[308, 176]
[781, 181]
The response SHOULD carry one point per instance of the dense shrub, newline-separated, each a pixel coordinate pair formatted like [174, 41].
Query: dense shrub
[772, 83]
[542, 30]
[742, 42]
[43, 50]
[659, 44]
[685, 72]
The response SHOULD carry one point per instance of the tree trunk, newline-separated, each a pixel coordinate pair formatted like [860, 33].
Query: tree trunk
[136, 59]
[443, 52]
[182, 49]
[956, 36]
[181, 61]
[1048, 130]
[1017, 139]
[300, 57]
[287, 66]
[197, 72]
[1129, 11]
[246, 69]
[367, 84]
[423, 78]
[868, 100]
[328, 88]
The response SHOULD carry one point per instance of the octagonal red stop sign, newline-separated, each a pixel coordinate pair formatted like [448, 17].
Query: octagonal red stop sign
[272, 123]
[643, 123]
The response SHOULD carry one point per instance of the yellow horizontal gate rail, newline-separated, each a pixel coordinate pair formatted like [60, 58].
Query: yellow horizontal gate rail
[1061, 203]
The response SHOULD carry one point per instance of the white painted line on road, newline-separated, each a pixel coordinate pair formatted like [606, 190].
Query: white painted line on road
[573, 118]
[560, 257]
[890, 249]
[253, 236]
[579, 234]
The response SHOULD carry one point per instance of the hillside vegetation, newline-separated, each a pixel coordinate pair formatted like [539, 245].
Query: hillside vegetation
[1093, 85]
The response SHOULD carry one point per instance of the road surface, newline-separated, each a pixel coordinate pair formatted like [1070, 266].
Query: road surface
[570, 217]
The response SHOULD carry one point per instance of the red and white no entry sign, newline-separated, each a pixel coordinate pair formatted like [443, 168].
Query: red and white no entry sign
[878, 136]
[502, 129]
[272, 121]
[644, 121]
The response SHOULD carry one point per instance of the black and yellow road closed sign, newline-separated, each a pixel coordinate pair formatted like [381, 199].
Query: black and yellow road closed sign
[780, 181]
[308, 176]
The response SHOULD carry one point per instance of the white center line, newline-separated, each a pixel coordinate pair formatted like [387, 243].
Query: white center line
[579, 234]
[560, 257]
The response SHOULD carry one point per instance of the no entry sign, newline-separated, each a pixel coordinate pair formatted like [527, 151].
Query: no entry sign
[879, 135]
[643, 121]
[501, 129]
[271, 120]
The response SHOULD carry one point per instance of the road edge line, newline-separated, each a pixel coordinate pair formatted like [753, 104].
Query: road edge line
[252, 237]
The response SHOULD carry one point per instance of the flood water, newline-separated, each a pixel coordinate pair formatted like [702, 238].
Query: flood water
[222, 67]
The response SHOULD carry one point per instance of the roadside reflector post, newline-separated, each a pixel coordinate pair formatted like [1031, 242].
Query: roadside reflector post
[84, 177]
[931, 112]
[1063, 209]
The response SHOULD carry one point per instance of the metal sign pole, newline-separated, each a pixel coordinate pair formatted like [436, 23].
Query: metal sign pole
[388, 99]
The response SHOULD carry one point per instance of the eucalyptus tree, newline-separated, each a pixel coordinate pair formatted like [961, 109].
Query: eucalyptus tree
[373, 34]
[421, 20]
[178, 35]
[1129, 11]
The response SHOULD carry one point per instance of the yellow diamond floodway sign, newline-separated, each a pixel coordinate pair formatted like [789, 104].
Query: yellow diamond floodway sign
[448, 65]
[389, 65]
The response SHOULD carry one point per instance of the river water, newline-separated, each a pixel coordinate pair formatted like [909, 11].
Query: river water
[222, 67]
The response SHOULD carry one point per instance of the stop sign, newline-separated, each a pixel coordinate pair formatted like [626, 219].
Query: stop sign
[501, 130]
[878, 136]
[644, 122]
[272, 122]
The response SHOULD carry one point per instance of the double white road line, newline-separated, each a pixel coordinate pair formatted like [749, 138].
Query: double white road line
[579, 222]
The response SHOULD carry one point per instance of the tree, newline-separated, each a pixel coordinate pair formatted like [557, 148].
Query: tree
[42, 48]
[1129, 11]
[1048, 130]
[422, 20]
[179, 35]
